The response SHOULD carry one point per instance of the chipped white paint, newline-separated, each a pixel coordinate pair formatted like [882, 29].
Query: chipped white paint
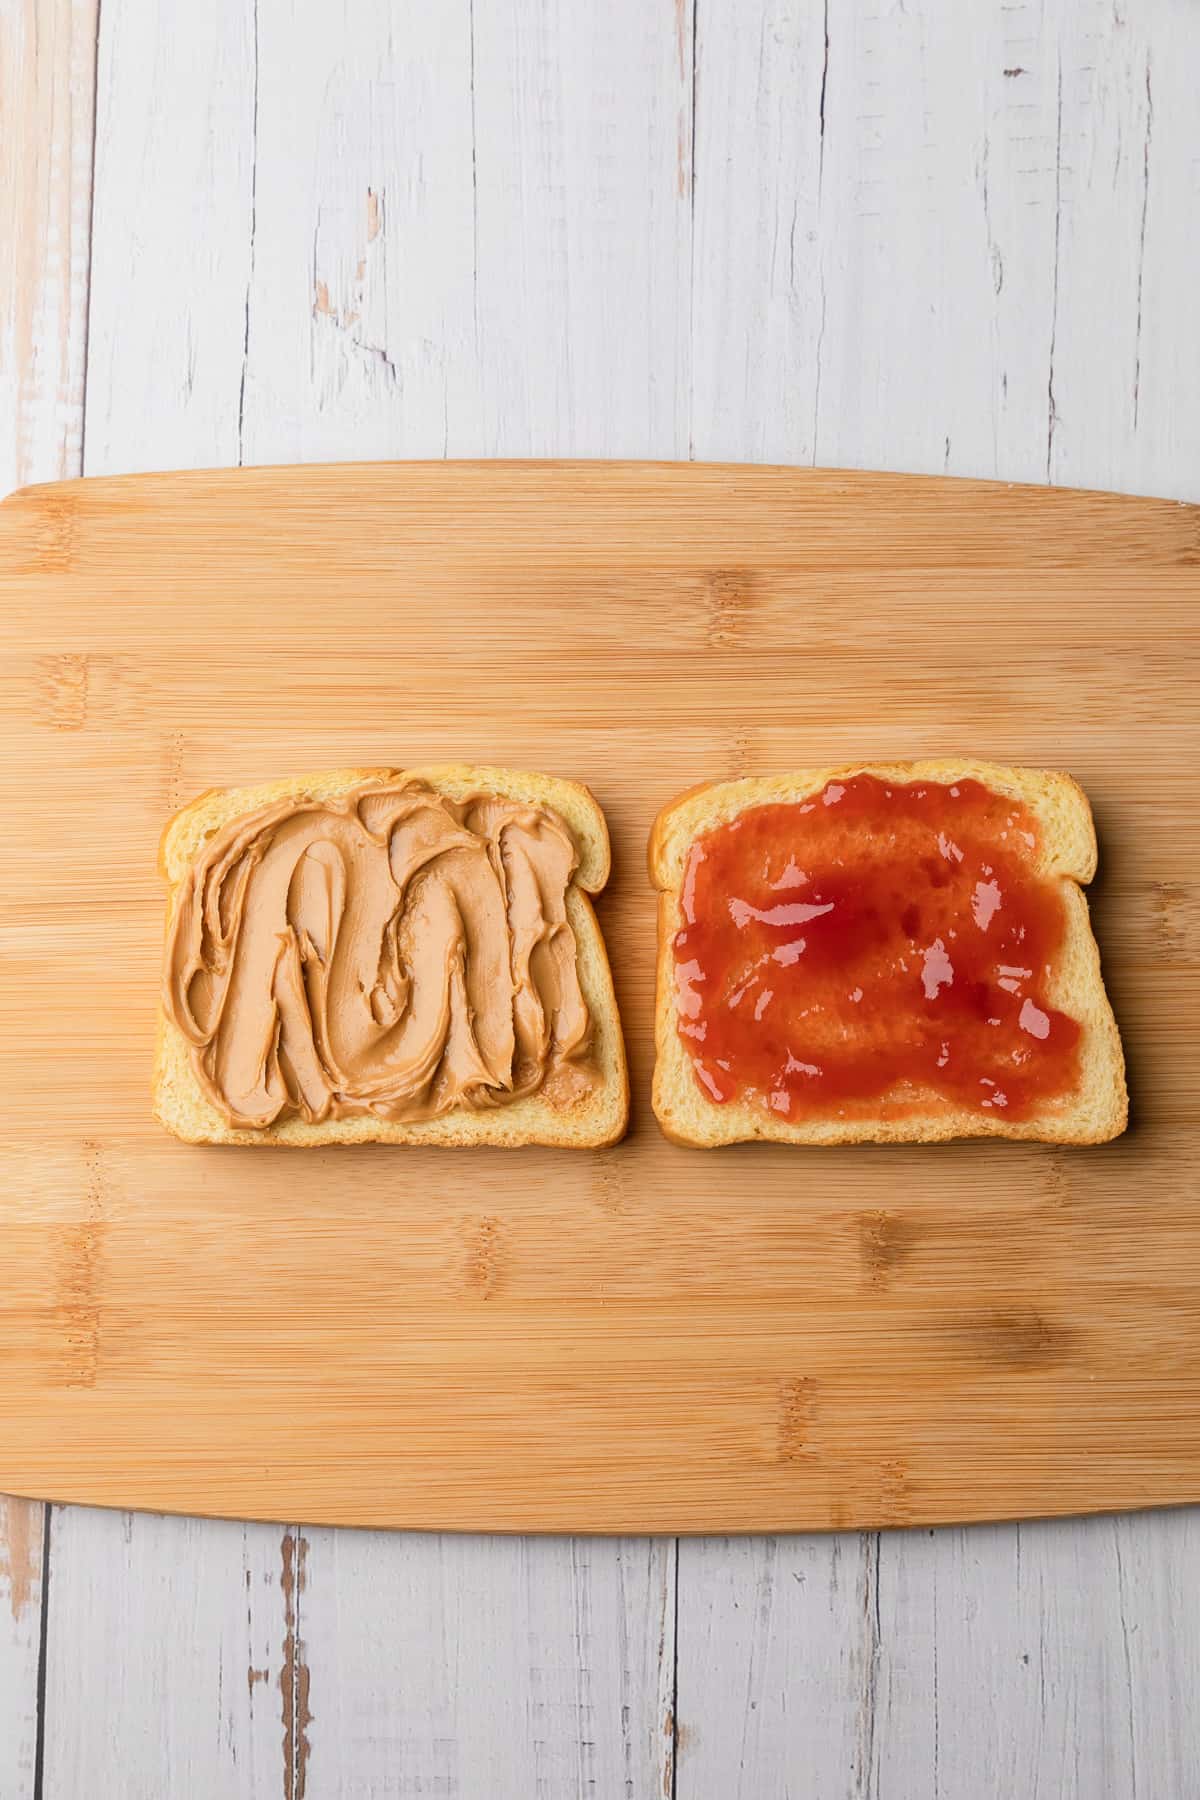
[21, 1526]
[910, 254]
[421, 281]
[166, 1647]
[473, 1666]
[1059, 1658]
[171, 220]
[47, 50]
[918, 236]
[1056, 1659]
[776, 1644]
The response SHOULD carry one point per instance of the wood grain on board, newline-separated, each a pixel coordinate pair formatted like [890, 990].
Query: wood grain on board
[650, 1339]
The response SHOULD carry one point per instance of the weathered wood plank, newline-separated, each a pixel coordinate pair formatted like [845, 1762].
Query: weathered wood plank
[172, 1657]
[1054, 1658]
[22, 1525]
[172, 218]
[199, 1697]
[471, 232]
[305, 247]
[964, 254]
[467, 1666]
[47, 82]
[777, 1643]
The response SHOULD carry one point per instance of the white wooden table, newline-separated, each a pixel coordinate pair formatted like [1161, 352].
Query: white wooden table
[895, 233]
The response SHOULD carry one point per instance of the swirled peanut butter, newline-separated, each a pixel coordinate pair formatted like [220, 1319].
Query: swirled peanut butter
[390, 952]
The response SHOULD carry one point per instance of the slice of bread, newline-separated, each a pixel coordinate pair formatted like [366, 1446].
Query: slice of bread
[596, 1118]
[1095, 1111]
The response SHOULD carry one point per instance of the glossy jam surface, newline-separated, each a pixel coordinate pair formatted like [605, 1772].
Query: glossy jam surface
[840, 953]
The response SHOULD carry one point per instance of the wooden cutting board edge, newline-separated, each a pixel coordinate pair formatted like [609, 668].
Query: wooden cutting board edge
[68, 529]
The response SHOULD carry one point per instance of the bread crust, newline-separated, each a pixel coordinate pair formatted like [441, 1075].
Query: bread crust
[1095, 1113]
[597, 1120]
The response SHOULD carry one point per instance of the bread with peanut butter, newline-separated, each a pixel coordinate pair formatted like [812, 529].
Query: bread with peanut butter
[377, 956]
[886, 952]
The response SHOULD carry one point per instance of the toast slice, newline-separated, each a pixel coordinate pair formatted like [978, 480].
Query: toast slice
[565, 1117]
[1092, 1111]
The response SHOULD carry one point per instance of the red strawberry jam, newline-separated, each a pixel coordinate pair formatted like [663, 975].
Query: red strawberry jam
[879, 938]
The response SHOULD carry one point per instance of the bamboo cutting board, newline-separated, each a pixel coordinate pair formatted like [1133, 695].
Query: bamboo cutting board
[649, 1338]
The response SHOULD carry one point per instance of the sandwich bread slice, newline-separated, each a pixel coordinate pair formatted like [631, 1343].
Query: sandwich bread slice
[887, 952]
[382, 956]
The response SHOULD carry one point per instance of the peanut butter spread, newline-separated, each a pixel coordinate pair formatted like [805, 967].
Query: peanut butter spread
[390, 952]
